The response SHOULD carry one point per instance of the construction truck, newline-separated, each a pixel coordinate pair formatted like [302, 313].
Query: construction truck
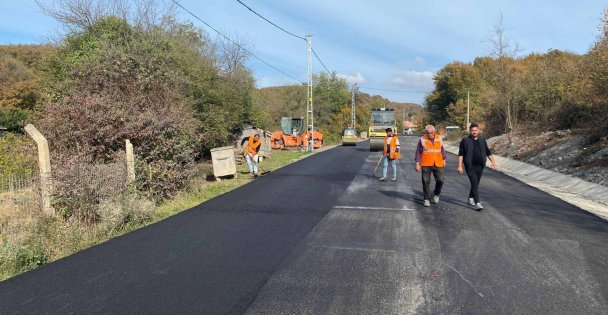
[381, 119]
[293, 134]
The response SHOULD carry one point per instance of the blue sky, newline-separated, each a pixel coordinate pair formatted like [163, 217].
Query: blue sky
[386, 44]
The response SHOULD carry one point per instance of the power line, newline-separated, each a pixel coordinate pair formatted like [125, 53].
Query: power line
[236, 44]
[315, 53]
[284, 30]
[398, 91]
[267, 20]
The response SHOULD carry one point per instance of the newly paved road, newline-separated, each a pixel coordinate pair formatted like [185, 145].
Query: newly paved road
[323, 236]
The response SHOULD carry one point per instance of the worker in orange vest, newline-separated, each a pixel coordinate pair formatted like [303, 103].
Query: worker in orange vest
[391, 153]
[431, 158]
[251, 152]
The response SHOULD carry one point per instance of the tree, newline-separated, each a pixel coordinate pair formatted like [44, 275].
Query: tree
[504, 50]
[447, 102]
[597, 68]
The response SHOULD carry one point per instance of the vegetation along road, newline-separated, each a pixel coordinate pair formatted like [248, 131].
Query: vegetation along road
[324, 236]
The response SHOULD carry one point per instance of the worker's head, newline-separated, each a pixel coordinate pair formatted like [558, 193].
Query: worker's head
[430, 130]
[389, 131]
[474, 130]
[256, 136]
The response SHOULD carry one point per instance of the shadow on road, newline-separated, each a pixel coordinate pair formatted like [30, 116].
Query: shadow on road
[398, 194]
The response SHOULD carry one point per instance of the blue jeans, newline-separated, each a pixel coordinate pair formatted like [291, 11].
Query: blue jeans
[393, 164]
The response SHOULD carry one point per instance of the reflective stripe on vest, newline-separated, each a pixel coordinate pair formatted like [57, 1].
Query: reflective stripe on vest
[431, 151]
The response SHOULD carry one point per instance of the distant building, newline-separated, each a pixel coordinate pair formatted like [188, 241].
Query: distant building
[409, 127]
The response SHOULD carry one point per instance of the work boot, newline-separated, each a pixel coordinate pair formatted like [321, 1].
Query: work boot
[472, 202]
[383, 178]
[478, 206]
[427, 203]
[436, 199]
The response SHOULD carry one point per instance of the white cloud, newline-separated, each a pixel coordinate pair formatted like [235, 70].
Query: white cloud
[414, 80]
[420, 61]
[357, 78]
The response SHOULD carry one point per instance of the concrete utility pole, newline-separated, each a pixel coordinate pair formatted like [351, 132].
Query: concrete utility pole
[309, 105]
[352, 111]
[402, 120]
[130, 162]
[468, 109]
[44, 163]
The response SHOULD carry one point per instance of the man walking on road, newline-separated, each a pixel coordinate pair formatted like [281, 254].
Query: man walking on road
[391, 153]
[431, 158]
[251, 152]
[473, 152]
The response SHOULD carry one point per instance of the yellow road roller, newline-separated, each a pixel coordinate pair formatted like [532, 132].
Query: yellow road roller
[350, 136]
[381, 119]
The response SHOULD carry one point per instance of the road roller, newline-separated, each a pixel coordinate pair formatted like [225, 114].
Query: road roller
[350, 137]
[381, 118]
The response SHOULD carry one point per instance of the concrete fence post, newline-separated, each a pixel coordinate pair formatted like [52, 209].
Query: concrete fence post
[44, 162]
[130, 162]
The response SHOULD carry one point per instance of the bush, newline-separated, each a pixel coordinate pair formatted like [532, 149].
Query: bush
[18, 156]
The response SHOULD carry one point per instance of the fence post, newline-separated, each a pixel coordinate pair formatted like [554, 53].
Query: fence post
[130, 162]
[44, 162]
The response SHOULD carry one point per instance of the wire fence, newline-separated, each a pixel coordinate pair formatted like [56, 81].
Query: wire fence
[77, 188]
[19, 191]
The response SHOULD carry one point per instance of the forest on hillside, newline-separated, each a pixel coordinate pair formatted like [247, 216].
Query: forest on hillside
[510, 92]
[332, 103]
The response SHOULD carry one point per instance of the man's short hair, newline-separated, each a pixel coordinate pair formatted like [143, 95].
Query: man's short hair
[473, 125]
[388, 130]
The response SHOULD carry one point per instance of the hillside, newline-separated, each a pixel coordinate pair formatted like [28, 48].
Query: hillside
[563, 151]
[280, 101]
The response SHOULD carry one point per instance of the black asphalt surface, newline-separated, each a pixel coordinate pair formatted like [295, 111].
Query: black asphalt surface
[324, 236]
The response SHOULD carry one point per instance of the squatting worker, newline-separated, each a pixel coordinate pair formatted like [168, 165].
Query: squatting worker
[473, 152]
[251, 152]
[431, 158]
[391, 153]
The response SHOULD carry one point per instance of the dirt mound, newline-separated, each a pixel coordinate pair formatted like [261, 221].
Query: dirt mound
[562, 151]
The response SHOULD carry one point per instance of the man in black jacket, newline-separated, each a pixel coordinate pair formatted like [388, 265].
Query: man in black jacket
[473, 152]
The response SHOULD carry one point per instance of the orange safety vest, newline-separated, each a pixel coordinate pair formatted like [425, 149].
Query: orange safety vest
[393, 155]
[253, 145]
[431, 151]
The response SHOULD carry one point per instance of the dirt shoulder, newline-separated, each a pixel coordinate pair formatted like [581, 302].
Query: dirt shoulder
[564, 152]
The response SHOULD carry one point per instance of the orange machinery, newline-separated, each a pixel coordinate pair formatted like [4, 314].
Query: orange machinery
[291, 135]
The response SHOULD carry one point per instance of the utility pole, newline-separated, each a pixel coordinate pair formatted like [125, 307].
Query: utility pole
[309, 105]
[468, 110]
[402, 119]
[352, 111]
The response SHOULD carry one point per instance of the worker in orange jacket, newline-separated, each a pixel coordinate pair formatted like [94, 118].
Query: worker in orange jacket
[391, 153]
[252, 152]
[431, 158]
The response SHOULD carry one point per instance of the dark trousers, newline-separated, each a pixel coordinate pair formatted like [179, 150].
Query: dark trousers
[426, 180]
[474, 173]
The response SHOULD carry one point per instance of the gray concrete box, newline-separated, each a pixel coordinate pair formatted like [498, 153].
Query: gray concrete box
[223, 161]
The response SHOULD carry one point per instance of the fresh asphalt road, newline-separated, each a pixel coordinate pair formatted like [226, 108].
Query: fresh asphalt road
[324, 236]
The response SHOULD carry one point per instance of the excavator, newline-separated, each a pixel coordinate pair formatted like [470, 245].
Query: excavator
[292, 135]
[381, 119]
